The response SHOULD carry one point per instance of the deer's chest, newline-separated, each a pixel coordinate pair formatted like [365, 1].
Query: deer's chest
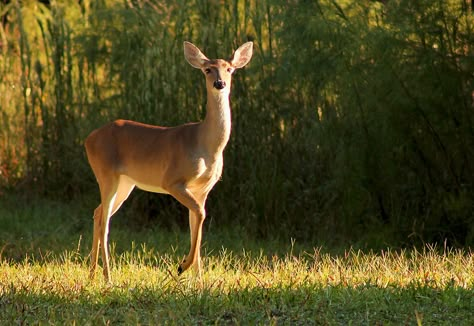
[207, 174]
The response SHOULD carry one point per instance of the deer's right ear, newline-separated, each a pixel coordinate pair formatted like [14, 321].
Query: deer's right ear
[194, 56]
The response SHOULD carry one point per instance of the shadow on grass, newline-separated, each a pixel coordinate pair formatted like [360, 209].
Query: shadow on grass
[309, 304]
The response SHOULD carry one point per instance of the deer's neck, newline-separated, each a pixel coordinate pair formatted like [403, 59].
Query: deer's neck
[217, 123]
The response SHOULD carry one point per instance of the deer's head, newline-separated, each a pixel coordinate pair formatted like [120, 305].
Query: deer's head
[218, 72]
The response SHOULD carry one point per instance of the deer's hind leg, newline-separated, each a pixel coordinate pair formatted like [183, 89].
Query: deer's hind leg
[96, 240]
[113, 194]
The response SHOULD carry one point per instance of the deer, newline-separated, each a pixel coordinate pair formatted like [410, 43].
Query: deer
[184, 161]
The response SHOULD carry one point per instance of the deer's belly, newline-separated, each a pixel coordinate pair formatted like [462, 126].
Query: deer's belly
[151, 188]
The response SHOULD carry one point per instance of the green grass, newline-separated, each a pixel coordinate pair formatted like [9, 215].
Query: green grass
[44, 278]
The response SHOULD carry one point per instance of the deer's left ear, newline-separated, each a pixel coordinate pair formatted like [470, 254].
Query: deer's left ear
[242, 55]
[194, 56]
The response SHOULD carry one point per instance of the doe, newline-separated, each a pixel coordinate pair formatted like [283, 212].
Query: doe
[184, 161]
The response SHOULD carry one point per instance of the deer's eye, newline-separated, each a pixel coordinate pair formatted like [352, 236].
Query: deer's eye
[207, 70]
[229, 70]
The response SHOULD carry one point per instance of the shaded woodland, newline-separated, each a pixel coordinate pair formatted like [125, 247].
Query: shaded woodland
[353, 123]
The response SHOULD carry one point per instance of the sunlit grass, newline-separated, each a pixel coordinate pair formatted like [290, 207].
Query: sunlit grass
[44, 277]
[432, 285]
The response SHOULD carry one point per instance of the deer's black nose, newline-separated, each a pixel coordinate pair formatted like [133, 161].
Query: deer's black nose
[219, 84]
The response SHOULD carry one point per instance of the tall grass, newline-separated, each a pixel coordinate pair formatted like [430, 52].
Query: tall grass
[351, 123]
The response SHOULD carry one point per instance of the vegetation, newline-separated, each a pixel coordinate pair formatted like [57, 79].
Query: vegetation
[352, 145]
[352, 141]
[354, 118]
[368, 288]
[44, 278]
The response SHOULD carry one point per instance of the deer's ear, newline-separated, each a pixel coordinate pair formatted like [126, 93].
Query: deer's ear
[194, 56]
[242, 55]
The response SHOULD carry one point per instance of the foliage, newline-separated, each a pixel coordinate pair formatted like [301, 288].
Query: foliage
[398, 96]
[352, 122]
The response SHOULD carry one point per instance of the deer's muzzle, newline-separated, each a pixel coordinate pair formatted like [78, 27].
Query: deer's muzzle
[219, 84]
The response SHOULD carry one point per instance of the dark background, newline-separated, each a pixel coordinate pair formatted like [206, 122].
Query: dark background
[353, 123]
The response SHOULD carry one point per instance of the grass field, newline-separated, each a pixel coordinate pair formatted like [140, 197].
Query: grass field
[44, 278]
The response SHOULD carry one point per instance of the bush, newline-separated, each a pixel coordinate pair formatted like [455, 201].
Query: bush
[352, 122]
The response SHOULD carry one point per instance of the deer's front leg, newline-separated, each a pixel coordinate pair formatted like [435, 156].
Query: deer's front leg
[194, 256]
[197, 214]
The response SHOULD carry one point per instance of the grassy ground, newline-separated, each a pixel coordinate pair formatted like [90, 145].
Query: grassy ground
[44, 278]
